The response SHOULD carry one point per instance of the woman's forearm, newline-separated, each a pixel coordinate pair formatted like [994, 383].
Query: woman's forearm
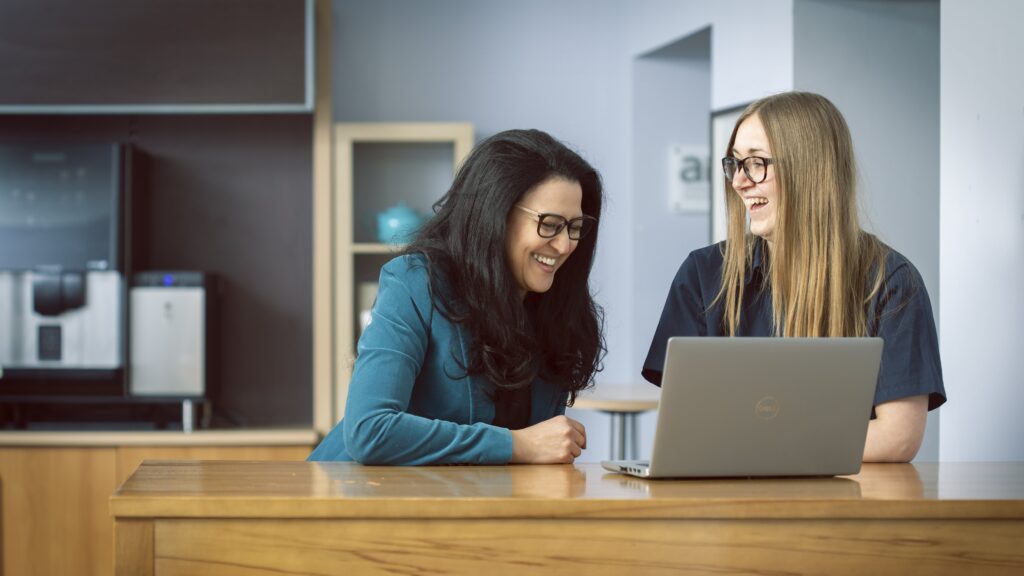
[896, 433]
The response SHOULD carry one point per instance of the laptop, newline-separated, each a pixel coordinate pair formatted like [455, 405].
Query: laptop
[746, 407]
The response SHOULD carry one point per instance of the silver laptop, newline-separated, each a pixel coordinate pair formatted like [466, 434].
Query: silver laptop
[762, 407]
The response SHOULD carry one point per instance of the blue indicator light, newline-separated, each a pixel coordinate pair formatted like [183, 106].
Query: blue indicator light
[168, 280]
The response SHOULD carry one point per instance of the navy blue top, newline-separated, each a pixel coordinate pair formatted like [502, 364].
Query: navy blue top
[900, 313]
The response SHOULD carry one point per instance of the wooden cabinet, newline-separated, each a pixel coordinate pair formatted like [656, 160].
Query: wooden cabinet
[55, 513]
[55, 518]
[123, 56]
[379, 166]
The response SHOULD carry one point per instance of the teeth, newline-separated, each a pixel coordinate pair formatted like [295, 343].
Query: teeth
[756, 201]
[544, 259]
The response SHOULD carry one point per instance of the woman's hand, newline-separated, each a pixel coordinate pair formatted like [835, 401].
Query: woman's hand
[556, 441]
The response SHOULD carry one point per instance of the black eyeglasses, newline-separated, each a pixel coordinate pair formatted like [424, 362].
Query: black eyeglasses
[755, 167]
[551, 225]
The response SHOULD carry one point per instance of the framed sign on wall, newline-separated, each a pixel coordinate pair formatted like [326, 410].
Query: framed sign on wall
[688, 172]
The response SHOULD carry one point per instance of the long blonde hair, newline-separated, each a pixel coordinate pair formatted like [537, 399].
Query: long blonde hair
[820, 259]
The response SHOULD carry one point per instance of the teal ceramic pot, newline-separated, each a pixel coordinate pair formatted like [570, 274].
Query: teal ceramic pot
[397, 224]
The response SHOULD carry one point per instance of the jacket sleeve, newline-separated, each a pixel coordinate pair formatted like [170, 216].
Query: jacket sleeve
[377, 427]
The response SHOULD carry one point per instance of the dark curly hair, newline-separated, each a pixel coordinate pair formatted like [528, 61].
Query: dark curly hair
[464, 244]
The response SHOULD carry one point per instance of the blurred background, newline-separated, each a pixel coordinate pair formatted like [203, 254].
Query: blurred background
[196, 197]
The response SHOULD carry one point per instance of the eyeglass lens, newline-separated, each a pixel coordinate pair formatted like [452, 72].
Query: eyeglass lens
[754, 167]
[550, 225]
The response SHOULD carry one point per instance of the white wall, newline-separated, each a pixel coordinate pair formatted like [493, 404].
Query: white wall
[982, 226]
[741, 31]
[879, 63]
[671, 101]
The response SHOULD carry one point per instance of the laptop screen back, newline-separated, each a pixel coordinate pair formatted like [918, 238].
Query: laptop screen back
[765, 406]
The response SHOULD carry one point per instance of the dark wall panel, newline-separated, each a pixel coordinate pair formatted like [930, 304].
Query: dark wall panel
[230, 195]
[152, 52]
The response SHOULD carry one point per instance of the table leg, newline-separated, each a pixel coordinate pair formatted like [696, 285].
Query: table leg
[133, 547]
[187, 416]
[620, 437]
[632, 443]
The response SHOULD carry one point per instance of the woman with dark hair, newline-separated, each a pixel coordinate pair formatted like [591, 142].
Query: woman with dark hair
[484, 329]
[796, 263]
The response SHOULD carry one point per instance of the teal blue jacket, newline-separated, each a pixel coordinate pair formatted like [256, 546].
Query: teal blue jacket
[409, 402]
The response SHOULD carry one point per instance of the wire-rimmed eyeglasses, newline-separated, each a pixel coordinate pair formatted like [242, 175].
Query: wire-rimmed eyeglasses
[755, 167]
[551, 225]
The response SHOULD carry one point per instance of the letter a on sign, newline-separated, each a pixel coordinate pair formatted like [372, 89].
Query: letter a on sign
[688, 186]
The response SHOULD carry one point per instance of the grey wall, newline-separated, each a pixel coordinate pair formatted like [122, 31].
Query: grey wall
[579, 69]
[879, 63]
[532, 64]
[741, 30]
[982, 225]
[558, 66]
[687, 57]
[567, 66]
[671, 102]
[563, 66]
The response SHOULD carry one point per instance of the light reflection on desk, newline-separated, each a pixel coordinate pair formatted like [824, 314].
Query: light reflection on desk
[830, 488]
[553, 481]
[334, 518]
[185, 479]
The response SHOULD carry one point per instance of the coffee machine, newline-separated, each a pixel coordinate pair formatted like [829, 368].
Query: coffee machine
[63, 263]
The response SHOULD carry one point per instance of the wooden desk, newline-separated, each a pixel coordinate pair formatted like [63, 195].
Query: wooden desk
[248, 518]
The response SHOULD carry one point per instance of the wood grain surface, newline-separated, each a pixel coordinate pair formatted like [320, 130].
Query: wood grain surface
[330, 518]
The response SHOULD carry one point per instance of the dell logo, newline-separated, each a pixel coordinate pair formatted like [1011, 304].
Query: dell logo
[767, 408]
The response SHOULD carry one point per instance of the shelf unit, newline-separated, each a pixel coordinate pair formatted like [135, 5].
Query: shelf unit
[391, 156]
[374, 248]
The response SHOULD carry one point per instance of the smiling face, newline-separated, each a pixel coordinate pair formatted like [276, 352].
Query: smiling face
[761, 199]
[532, 259]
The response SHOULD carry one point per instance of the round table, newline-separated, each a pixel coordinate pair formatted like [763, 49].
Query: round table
[624, 402]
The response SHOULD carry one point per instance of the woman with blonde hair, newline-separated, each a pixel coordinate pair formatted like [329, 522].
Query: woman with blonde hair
[803, 267]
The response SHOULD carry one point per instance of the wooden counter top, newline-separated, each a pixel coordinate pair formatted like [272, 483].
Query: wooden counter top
[196, 489]
[227, 437]
[214, 518]
[619, 398]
